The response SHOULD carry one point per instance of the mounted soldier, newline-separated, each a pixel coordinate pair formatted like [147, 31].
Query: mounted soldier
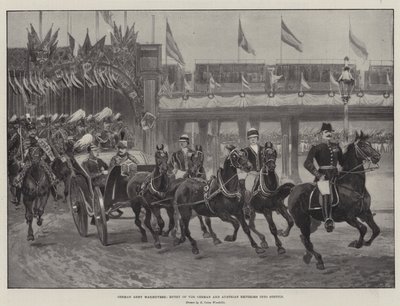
[328, 155]
[179, 159]
[36, 150]
[14, 142]
[254, 153]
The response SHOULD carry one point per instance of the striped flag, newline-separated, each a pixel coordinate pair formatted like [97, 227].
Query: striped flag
[107, 16]
[274, 78]
[172, 47]
[303, 83]
[242, 41]
[166, 89]
[358, 46]
[213, 84]
[288, 37]
[245, 83]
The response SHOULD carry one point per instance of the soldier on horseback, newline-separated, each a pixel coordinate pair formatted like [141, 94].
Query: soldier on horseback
[179, 159]
[254, 153]
[36, 150]
[327, 155]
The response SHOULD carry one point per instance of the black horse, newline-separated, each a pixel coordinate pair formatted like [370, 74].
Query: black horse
[223, 199]
[269, 197]
[354, 199]
[144, 188]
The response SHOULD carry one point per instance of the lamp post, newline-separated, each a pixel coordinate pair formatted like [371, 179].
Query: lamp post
[346, 86]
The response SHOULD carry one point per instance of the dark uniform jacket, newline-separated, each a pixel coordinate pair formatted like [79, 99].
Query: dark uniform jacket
[179, 161]
[328, 156]
[93, 166]
[254, 158]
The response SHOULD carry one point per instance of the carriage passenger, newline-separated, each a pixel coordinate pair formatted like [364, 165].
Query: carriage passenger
[96, 168]
[328, 155]
[123, 158]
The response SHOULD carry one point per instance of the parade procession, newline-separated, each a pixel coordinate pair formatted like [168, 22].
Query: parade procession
[133, 158]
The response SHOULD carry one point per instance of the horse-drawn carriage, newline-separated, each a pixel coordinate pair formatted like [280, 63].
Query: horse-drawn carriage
[88, 201]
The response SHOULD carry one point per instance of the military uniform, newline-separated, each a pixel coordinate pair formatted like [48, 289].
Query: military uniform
[120, 160]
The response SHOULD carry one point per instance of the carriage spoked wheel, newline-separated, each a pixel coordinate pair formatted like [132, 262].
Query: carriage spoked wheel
[78, 208]
[100, 216]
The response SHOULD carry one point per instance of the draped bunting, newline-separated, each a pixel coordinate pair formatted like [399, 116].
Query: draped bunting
[264, 100]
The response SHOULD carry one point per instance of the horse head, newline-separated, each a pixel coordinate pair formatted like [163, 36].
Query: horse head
[161, 158]
[364, 150]
[269, 156]
[239, 159]
[196, 161]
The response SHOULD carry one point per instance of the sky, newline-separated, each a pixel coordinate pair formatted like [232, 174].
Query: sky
[212, 35]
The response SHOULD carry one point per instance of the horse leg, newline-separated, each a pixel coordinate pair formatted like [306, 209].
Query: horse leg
[66, 188]
[171, 223]
[369, 219]
[252, 226]
[136, 209]
[362, 229]
[273, 230]
[29, 217]
[245, 227]
[178, 223]
[206, 234]
[282, 209]
[213, 235]
[226, 217]
[185, 222]
[147, 222]
[304, 226]
[160, 221]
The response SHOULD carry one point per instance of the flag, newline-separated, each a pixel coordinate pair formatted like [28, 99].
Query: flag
[274, 78]
[388, 79]
[303, 83]
[213, 83]
[187, 85]
[245, 83]
[71, 43]
[107, 16]
[332, 81]
[358, 46]
[242, 41]
[172, 47]
[165, 89]
[288, 37]
[11, 84]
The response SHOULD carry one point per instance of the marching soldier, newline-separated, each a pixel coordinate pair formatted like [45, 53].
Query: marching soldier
[36, 150]
[254, 153]
[328, 155]
[179, 159]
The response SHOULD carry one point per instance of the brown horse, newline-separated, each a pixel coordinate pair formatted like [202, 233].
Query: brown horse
[269, 197]
[354, 199]
[223, 199]
[35, 191]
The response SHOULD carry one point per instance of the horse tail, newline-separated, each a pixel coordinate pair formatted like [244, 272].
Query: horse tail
[284, 190]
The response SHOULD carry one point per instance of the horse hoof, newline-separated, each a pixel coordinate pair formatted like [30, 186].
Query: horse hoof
[307, 258]
[157, 245]
[177, 241]
[281, 251]
[259, 250]
[39, 222]
[164, 234]
[144, 239]
[320, 266]
[280, 233]
[217, 241]
[31, 238]
[367, 243]
[355, 244]
[229, 238]
[206, 235]
[264, 245]
[195, 251]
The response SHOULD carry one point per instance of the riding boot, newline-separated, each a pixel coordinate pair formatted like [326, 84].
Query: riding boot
[327, 213]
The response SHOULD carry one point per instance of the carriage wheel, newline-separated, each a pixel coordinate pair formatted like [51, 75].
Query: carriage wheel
[78, 208]
[100, 216]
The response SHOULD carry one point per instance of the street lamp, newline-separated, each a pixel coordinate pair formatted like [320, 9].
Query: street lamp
[346, 86]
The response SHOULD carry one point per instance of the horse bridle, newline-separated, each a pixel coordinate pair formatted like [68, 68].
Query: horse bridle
[236, 151]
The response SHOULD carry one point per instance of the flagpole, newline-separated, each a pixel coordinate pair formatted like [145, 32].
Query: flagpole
[281, 42]
[238, 43]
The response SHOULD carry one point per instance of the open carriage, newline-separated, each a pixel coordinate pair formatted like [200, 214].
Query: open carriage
[87, 201]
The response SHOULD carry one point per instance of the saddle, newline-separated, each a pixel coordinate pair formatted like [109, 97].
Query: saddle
[315, 201]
